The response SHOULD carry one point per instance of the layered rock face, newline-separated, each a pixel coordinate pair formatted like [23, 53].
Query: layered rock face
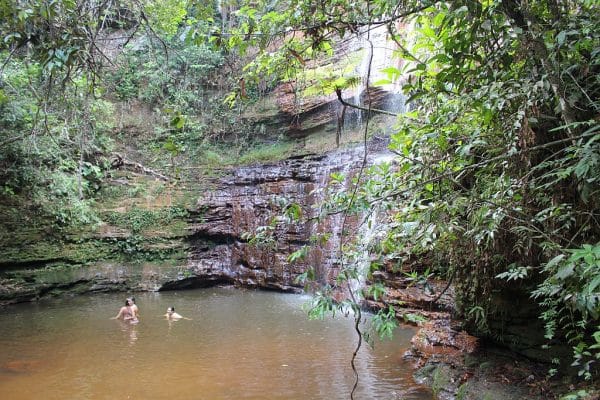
[254, 199]
[322, 113]
[214, 247]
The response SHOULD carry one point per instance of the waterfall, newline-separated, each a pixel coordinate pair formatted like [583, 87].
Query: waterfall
[364, 238]
[244, 200]
[363, 74]
[378, 51]
[325, 257]
[351, 236]
[370, 230]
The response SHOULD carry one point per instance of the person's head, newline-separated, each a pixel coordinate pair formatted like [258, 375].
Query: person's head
[170, 310]
[127, 302]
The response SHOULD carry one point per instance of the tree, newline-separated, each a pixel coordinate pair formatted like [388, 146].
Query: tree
[54, 125]
[499, 157]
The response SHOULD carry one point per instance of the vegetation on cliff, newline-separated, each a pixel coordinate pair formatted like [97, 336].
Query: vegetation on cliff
[498, 167]
[498, 158]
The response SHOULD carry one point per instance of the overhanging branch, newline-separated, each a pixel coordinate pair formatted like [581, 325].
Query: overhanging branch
[338, 92]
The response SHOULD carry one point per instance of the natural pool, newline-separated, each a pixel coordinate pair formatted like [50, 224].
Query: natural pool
[238, 345]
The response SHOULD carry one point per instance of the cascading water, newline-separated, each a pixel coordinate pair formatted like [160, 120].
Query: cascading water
[251, 199]
[362, 260]
[377, 56]
[369, 231]
[344, 164]
[363, 73]
[244, 201]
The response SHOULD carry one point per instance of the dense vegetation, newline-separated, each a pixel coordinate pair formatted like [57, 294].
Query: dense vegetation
[498, 161]
[499, 157]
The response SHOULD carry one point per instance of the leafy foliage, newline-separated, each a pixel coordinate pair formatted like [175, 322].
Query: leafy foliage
[139, 219]
[572, 301]
[54, 125]
[497, 161]
[51, 151]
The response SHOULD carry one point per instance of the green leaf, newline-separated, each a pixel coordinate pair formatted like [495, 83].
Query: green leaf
[298, 255]
[294, 212]
[382, 82]
[178, 122]
[392, 73]
[554, 262]
[594, 284]
[565, 271]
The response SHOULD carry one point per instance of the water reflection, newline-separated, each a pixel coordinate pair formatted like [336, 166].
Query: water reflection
[237, 345]
[130, 332]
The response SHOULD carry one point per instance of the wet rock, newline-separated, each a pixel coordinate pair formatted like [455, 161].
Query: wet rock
[30, 285]
[437, 338]
[253, 198]
[487, 374]
[298, 117]
[456, 366]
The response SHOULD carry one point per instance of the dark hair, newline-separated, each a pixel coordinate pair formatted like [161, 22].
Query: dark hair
[172, 308]
[132, 299]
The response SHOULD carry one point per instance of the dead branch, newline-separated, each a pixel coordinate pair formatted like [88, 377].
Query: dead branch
[119, 162]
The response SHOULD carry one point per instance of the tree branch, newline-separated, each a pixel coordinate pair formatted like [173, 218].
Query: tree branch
[338, 92]
[119, 162]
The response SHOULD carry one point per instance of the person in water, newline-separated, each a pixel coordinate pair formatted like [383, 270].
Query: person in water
[127, 313]
[134, 307]
[172, 315]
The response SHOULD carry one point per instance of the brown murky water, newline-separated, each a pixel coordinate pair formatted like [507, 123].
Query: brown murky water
[238, 345]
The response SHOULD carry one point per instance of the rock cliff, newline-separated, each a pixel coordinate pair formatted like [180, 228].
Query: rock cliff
[255, 197]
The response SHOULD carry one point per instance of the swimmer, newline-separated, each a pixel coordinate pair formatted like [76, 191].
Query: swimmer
[126, 313]
[173, 316]
[134, 307]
